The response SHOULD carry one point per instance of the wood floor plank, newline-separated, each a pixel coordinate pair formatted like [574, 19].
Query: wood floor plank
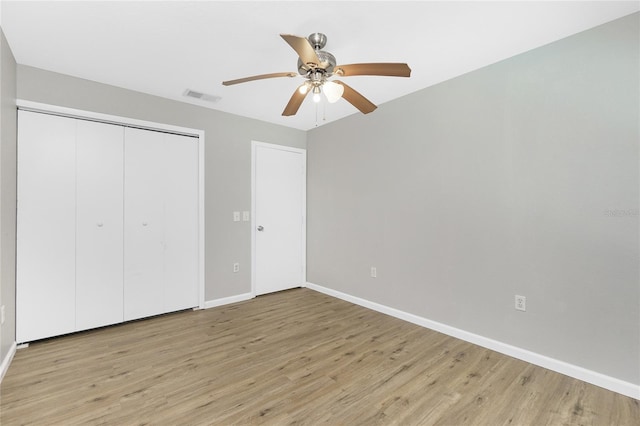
[295, 357]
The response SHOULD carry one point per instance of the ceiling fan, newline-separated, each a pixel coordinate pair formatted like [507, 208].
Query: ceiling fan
[317, 66]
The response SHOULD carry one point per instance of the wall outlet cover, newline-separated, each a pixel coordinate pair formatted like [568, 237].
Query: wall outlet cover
[521, 303]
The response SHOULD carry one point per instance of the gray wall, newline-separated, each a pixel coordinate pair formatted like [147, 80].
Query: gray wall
[227, 160]
[7, 194]
[518, 178]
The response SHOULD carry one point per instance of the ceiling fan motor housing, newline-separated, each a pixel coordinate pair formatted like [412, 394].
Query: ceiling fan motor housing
[327, 60]
[326, 65]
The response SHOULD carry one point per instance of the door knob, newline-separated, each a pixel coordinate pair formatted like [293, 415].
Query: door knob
[260, 228]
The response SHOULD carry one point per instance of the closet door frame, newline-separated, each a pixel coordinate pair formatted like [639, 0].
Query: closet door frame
[149, 125]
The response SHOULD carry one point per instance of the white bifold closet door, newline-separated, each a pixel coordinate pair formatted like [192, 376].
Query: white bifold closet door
[99, 224]
[161, 223]
[46, 224]
[70, 225]
[107, 225]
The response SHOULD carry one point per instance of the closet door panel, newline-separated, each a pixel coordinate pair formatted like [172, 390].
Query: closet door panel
[99, 224]
[181, 222]
[45, 263]
[143, 224]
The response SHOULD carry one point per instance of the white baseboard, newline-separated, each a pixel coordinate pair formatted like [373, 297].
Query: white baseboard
[227, 300]
[595, 378]
[7, 361]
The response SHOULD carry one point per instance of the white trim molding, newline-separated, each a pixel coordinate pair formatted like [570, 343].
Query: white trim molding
[4, 367]
[228, 300]
[580, 373]
[106, 118]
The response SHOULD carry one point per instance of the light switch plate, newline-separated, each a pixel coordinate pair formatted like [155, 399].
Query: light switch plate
[236, 216]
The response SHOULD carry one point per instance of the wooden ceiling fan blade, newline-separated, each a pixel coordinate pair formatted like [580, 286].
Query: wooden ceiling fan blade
[356, 99]
[303, 48]
[379, 68]
[295, 101]
[259, 77]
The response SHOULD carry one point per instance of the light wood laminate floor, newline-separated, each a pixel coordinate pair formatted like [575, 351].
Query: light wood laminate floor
[295, 357]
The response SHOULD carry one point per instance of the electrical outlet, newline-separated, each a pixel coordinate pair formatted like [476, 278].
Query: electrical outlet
[236, 267]
[236, 216]
[521, 303]
[245, 216]
[374, 272]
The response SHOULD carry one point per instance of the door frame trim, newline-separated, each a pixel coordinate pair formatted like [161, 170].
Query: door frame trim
[254, 146]
[148, 125]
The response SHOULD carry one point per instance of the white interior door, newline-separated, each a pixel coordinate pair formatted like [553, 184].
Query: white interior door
[45, 258]
[279, 208]
[99, 224]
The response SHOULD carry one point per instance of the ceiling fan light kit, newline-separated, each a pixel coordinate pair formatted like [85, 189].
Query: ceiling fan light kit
[317, 66]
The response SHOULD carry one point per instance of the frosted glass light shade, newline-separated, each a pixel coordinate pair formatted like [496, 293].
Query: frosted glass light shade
[333, 91]
[304, 88]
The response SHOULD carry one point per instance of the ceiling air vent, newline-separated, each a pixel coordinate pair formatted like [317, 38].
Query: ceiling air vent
[202, 96]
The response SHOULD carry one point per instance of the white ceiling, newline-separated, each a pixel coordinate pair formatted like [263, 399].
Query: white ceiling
[163, 48]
